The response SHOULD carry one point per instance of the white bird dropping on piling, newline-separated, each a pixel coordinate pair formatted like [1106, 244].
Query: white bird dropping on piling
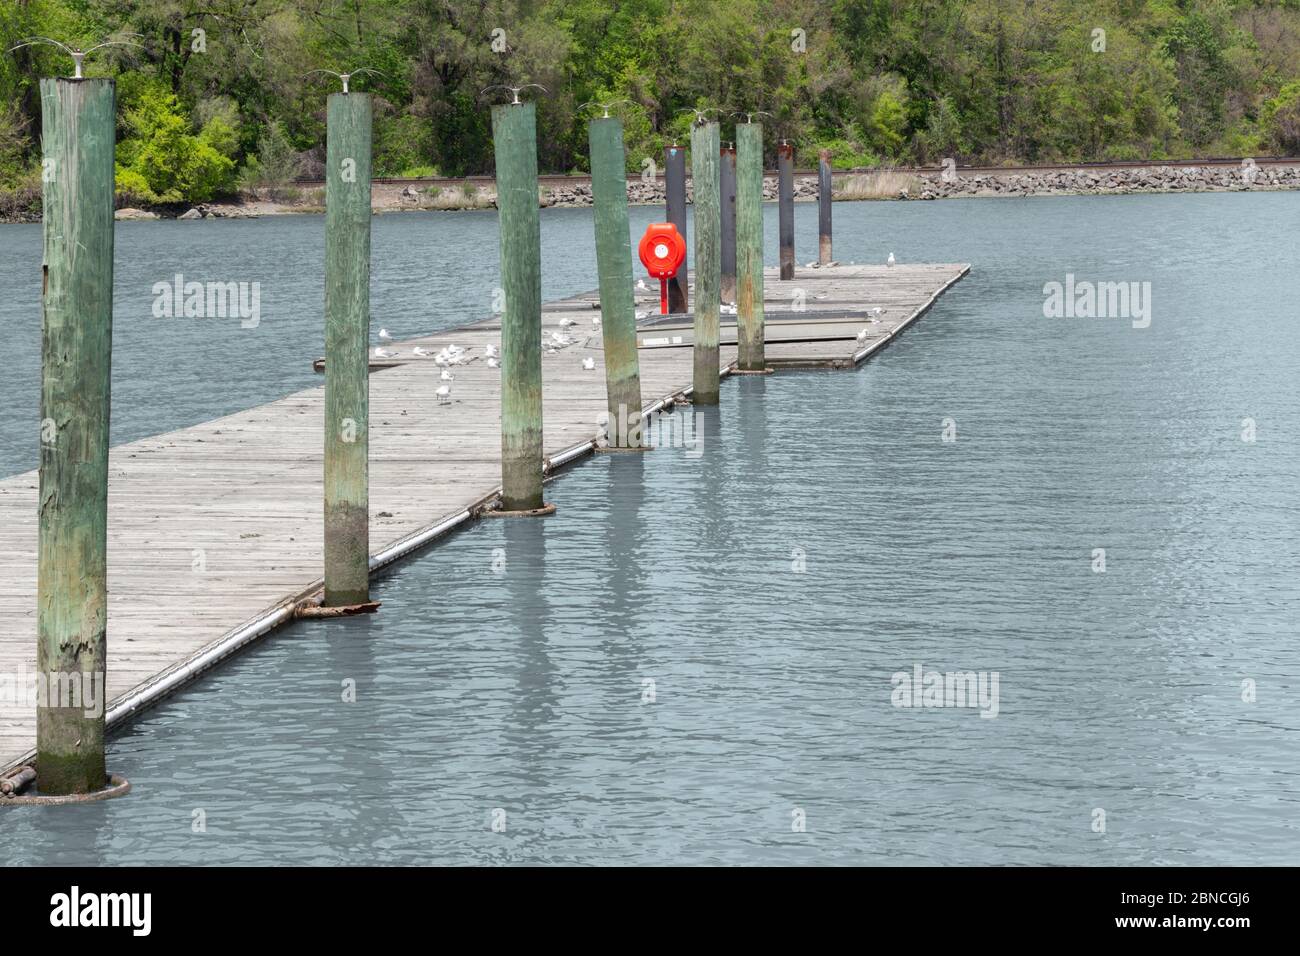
[589, 363]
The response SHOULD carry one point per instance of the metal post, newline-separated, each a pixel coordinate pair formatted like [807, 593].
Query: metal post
[785, 206]
[749, 247]
[824, 256]
[514, 133]
[77, 133]
[675, 196]
[727, 178]
[347, 337]
[614, 266]
[708, 260]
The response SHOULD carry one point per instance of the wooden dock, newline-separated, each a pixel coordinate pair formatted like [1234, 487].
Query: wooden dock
[215, 531]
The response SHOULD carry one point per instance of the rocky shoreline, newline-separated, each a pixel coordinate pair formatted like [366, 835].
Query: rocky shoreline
[880, 184]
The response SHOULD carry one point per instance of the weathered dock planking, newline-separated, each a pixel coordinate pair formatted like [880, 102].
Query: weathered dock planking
[215, 531]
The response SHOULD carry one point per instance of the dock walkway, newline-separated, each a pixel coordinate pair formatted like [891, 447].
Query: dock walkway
[215, 531]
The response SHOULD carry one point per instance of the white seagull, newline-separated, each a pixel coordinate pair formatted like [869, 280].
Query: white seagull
[421, 352]
[641, 286]
[589, 363]
[491, 350]
[595, 320]
[862, 336]
[447, 376]
[384, 336]
[381, 352]
[492, 363]
[444, 393]
[566, 322]
[890, 261]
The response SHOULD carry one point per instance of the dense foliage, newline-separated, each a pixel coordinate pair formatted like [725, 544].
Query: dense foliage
[217, 93]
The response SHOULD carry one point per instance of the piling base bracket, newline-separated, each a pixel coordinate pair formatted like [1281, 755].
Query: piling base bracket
[316, 609]
[621, 448]
[541, 512]
[116, 786]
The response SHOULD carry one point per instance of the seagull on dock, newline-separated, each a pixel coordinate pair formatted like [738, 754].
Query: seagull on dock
[890, 261]
[384, 336]
[492, 363]
[444, 394]
[447, 376]
[589, 363]
[641, 315]
[595, 320]
[862, 336]
[641, 286]
[877, 310]
[566, 322]
[491, 350]
[381, 352]
[421, 352]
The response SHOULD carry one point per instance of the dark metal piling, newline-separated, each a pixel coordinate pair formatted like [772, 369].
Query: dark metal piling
[675, 203]
[727, 180]
[785, 206]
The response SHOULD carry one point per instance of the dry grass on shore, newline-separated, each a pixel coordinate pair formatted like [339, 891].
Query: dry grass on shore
[880, 184]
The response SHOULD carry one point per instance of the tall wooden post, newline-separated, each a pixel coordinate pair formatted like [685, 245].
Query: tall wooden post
[824, 255]
[727, 179]
[514, 133]
[614, 266]
[675, 212]
[708, 260]
[347, 338]
[749, 247]
[77, 135]
[785, 206]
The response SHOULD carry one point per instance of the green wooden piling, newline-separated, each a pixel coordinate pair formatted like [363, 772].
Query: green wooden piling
[708, 260]
[347, 346]
[749, 247]
[77, 136]
[614, 267]
[514, 134]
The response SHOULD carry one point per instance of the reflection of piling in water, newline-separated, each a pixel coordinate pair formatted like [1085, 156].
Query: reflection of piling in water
[347, 338]
[77, 136]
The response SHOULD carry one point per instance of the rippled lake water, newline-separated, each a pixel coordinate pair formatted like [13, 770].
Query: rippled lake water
[517, 693]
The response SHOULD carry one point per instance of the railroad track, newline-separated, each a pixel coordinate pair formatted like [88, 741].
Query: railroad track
[562, 179]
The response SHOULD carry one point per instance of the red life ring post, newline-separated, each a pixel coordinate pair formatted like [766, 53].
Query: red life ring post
[662, 250]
